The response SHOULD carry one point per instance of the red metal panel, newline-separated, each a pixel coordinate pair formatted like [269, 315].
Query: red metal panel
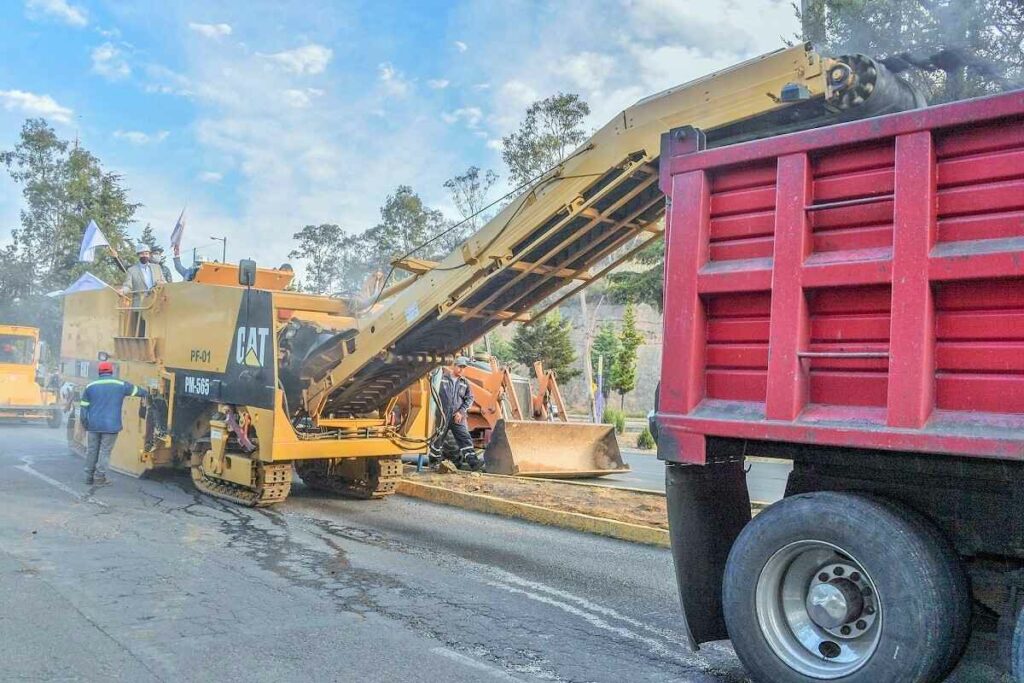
[912, 345]
[968, 113]
[686, 251]
[787, 378]
[914, 292]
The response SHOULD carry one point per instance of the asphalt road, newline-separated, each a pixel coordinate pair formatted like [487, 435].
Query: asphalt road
[766, 479]
[146, 580]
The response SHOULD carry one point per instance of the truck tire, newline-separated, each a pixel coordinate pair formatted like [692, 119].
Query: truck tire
[845, 587]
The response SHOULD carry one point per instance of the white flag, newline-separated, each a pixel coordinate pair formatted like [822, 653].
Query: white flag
[92, 239]
[87, 283]
[179, 230]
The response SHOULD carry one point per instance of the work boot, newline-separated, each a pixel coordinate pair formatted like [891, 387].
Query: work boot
[100, 481]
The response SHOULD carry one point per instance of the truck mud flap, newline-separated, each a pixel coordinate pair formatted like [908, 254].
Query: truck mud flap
[708, 506]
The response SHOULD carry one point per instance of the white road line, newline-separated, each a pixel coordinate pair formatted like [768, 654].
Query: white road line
[27, 467]
[492, 671]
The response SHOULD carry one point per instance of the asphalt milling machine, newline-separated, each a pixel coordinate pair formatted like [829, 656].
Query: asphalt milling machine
[251, 381]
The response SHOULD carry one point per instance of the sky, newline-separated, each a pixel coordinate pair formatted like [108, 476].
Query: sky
[265, 115]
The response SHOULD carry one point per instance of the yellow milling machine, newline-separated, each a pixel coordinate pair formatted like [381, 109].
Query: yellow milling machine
[250, 380]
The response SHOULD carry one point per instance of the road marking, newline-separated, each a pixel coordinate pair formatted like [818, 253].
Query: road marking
[27, 467]
[494, 672]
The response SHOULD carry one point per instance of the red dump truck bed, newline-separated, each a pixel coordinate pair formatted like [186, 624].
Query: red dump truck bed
[860, 285]
[850, 299]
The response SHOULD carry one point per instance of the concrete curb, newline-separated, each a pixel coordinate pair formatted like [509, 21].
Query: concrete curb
[535, 513]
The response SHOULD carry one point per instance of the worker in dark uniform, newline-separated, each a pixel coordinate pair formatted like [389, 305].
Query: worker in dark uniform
[100, 412]
[456, 398]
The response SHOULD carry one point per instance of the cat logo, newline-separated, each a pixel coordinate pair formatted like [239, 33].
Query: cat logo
[251, 346]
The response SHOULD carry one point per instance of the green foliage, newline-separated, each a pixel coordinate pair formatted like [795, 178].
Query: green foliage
[623, 377]
[645, 441]
[606, 345]
[63, 186]
[320, 247]
[340, 263]
[469, 192]
[551, 129]
[547, 340]
[986, 36]
[502, 350]
[613, 416]
[642, 287]
[147, 237]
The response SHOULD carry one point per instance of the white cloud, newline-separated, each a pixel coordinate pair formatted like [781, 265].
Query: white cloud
[495, 144]
[108, 61]
[461, 46]
[61, 10]
[136, 137]
[438, 84]
[587, 70]
[308, 59]
[471, 115]
[301, 98]
[392, 80]
[212, 177]
[211, 30]
[34, 105]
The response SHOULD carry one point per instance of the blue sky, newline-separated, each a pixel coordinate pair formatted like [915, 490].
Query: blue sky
[266, 115]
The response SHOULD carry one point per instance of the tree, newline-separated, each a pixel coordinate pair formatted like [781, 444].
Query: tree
[147, 237]
[501, 349]
[64, 187]
[405, 223]
[547, 340]
[320, 247]
[551, 129]
[645, 286]
[469, 193]
[607, 346]
[623, 379]
[973, 47]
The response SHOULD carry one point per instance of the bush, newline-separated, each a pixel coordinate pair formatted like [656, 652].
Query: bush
[645, 441]
[615, 417]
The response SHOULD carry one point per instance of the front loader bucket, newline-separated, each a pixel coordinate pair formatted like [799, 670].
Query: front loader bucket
[562, 450]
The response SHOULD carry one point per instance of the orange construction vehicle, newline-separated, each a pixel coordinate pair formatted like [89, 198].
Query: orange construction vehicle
[523, 427]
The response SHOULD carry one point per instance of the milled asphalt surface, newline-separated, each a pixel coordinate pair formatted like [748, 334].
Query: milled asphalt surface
[147, 580]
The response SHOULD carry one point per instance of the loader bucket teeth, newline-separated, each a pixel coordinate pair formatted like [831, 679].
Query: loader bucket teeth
[559, 450]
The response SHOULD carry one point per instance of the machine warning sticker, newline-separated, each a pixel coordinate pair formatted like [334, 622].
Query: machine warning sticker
[412, 313]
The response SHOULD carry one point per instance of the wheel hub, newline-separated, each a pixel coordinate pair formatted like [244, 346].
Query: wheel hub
[818, 609]
[834, 603]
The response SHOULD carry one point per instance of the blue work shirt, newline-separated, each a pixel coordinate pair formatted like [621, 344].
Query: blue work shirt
[101, 403]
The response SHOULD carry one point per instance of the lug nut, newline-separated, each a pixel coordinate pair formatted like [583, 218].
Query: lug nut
[855, 577]
[838, 571]
[845, 630]
[869, 610]
[861, 624]
[823, 577]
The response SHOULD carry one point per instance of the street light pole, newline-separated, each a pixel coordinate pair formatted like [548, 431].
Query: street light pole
[224, 252]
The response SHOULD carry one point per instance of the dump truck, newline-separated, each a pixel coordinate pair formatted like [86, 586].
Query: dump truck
[250, 380]
[533, 434]
[850, 299]
[25, 395]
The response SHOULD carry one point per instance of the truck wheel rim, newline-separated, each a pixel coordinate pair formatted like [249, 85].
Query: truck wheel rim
[818, 609]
